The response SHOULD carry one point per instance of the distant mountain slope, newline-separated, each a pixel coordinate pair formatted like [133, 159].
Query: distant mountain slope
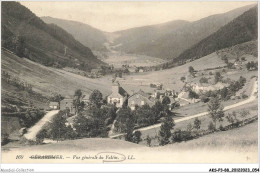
[168, 40]
[87, 35]
[240, 30]
[28, 36]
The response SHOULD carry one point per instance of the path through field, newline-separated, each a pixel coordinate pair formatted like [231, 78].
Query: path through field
[32, 132]
[250, 99]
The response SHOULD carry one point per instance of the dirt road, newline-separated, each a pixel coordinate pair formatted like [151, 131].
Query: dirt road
[32, 132]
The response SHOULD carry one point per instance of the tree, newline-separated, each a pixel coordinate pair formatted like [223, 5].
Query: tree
[215, 110]
[197, 123]
[20, 46]
[41, 135]
[148, 140]
[242, 81]
[145, 116]
[193, 95]
[166, 101]
[244, 113]
[157, 108]
[165, 131]
[82, 126]
[58, 127]
[189, 127]
[129, 130]
[110, 113]
[91, 122]
[57, 98]
[137, 137]
[70, 133]
[124, 121]
[77, 100]
[211, 126]
[191, 71]
[225, 93]
[217, 77]
[183, 78]
[232, 118]
[203, 80]
[96, 97]
[252, 65]
[225, 59]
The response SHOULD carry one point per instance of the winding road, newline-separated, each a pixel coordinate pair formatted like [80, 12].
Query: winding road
[250, 99]
[32, 132]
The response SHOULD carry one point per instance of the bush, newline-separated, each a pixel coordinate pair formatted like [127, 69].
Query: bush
[181, 135]
[203, 80]
[204, 99]
[211, 126]
[40, 136]
[183, 78]
[137, 137]
[244, 113]
[193, 95]
[244, 96]
[197, 123]
[165, 131]
[148, 140]
[221, 127]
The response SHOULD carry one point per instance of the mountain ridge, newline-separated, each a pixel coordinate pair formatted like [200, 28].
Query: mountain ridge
[170, 44]
[84, 33]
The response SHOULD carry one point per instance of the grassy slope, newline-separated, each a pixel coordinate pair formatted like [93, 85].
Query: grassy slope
[223, 147]
[48, 81]
[170, 77]
[239, 138]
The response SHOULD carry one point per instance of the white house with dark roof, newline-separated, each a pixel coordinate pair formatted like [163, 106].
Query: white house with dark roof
[54, 105]
[118, 96]
[140, 98]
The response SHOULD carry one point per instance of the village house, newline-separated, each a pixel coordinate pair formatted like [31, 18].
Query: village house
[54, 105]
[67, 104]
[139, 98]
[158, 94]
[118, 96]
[85, 99]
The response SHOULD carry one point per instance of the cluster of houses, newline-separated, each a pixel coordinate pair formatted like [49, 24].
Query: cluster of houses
[118, 97]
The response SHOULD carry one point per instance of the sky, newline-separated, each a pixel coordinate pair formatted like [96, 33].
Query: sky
[115, 16]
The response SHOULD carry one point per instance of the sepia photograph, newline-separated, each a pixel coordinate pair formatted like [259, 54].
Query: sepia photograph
[129, 82]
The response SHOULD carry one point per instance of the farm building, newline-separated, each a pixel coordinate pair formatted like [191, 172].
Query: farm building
[67, 103]
[85, 98]
[54, 105]
[118, 96]
[139, 98]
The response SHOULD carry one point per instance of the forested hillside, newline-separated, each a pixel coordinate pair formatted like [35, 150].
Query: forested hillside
[240, 30]
[28, 36]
